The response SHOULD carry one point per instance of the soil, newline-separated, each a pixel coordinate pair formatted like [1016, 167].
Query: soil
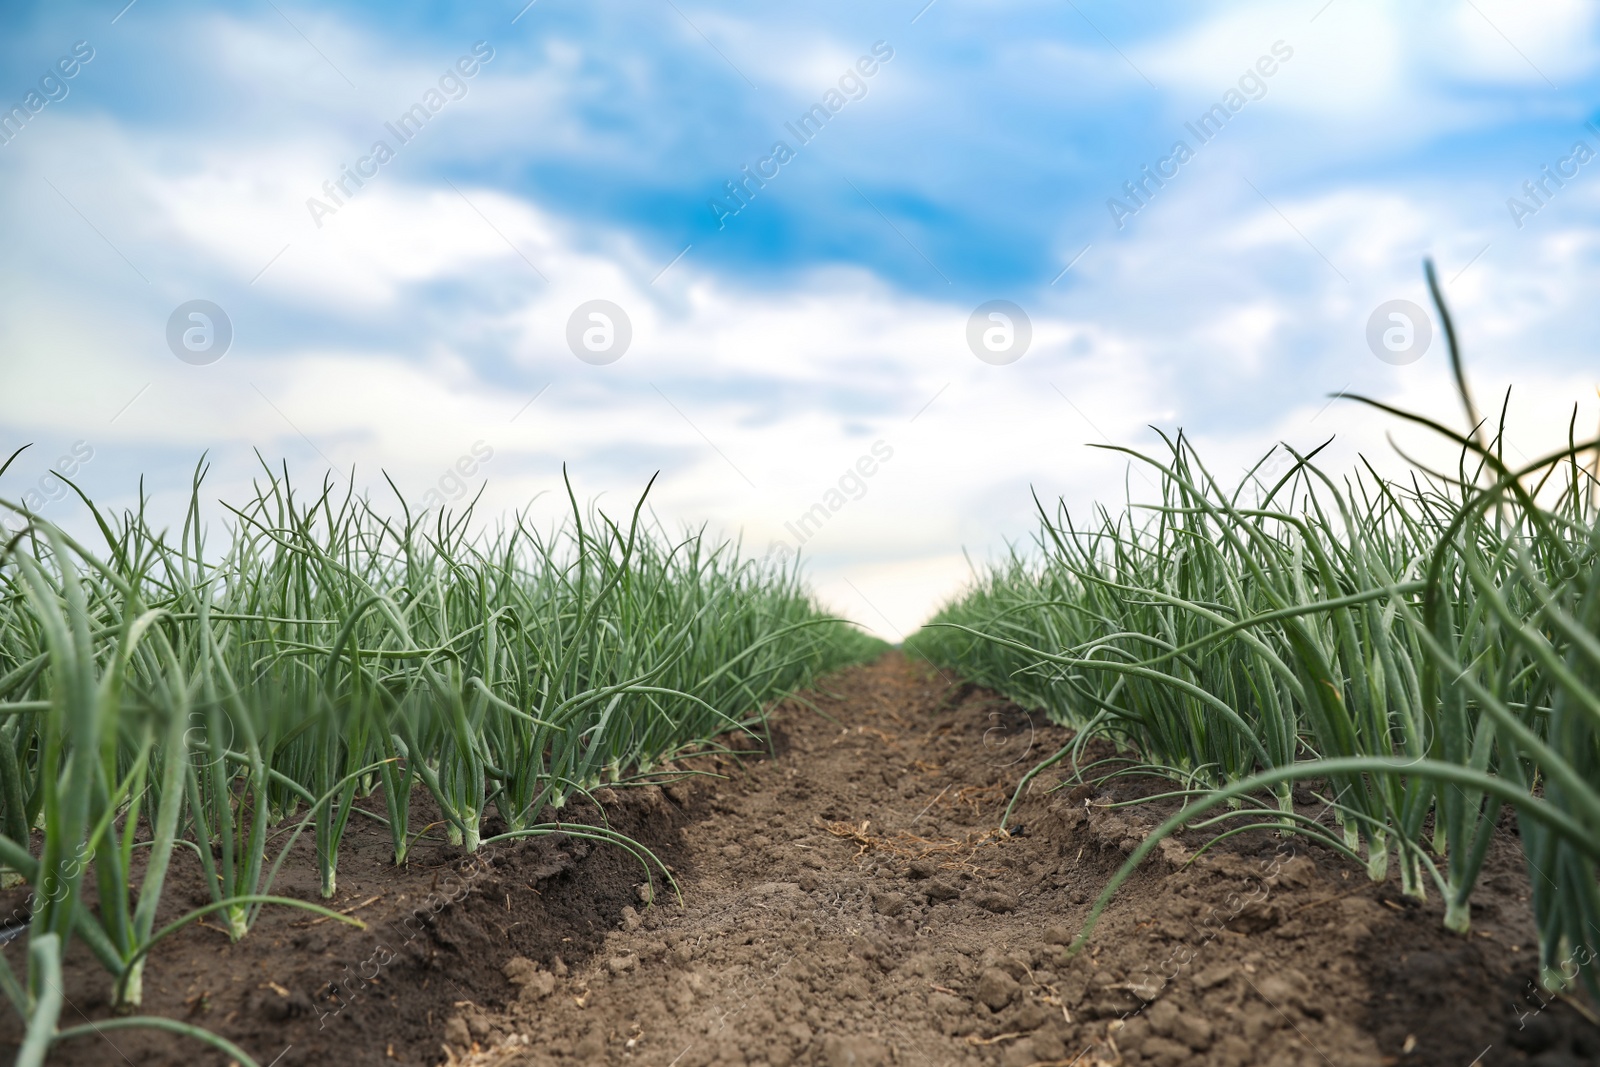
[847, 900]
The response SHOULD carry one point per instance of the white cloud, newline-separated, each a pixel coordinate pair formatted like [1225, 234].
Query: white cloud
[407, 328]
[792, 387]
[1379, 75]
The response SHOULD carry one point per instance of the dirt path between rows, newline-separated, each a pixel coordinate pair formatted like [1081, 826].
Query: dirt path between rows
[847, 902]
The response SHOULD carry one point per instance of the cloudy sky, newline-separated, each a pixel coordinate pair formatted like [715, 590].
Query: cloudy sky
[933, 159]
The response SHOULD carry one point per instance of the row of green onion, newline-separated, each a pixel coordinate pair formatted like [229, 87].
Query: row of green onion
[1427, 652]
[165, 694]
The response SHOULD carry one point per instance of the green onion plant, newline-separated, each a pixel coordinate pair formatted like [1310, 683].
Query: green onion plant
[160, 695]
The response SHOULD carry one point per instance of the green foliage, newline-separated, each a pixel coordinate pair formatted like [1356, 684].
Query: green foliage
[1425, 650]
[158, 695]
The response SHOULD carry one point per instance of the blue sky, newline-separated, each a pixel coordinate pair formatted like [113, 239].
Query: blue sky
[774, 346]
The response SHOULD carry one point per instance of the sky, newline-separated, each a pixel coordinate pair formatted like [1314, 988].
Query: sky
[895, 266]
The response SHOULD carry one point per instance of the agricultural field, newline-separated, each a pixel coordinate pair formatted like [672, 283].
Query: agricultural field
[193, 737]
[1297, 770]
[813, 535]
